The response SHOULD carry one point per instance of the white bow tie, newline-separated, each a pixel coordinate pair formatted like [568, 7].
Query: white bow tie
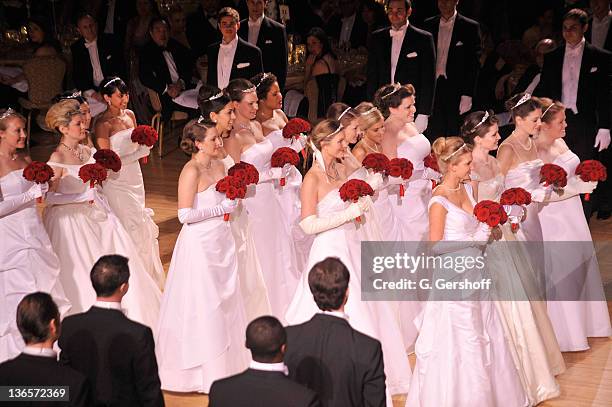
[397, 33]
[226, 46]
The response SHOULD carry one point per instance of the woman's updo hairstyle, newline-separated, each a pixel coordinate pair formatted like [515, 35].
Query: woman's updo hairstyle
[477, 124]
[341, 112]
[211, 100]
[192, 132]
[263, 82]
[61, 113]
[521, 104]
[324, 132]
[391, 96]
[110, 84]
[6, 114]
[237, 88]
[70, 94]
[369, 115]
[550, 108]
[448, 150]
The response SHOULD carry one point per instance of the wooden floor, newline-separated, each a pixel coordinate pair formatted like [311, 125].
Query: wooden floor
[587, 381]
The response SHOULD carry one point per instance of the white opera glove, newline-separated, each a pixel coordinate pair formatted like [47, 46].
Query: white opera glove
[141, 151]
[311, 225]
[465, 104]
[421, 122]
[375, 179]
[479, 239]
[228, 162]
[395, 181]
[17, 202]
[271, 174]
[575, 186]
[431, 174]
[602, 139]
[482, 233]
[54, 198]
[191, 215]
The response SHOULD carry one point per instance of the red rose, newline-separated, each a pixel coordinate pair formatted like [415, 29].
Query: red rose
[591, 170]
[93, 173]
[552, 174]
[431, 162]
[353, 189]
[284, 155]
[108, 159]
[508, 197]
[252, 175]
[144, 135]
[490, 212]
[295, 127]
[376, 162]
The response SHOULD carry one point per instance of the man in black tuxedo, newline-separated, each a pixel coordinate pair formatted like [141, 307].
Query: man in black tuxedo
[201, 27]
[114, 15]
[458, 49]
[348, 28]
[344, 366]
[165, 66]
[94, 56]
[265, 382]
[269, 36]
[599, 33]
[578, 74]
[405, 54]
[114, 352]
[232, 57]
[38, 320]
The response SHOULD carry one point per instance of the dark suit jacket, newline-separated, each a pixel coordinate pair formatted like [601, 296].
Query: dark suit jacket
[245, 54]
[344, 366]
[462, 64]
[272, 42]
[607, 44]
[200, 33]
[28, 370]
[258, 388]
[111, 61]
[153, 69]
[527, 78]
[359, 33]
[419, 70]
[124, 11]
[116, 354]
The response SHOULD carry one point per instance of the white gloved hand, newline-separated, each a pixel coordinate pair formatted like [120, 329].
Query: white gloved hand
[37, 191]
[421, 122]
[429, 173]
[271, 174]
[482, 233]
[465, 104]
[375, 179]
[229, 205]
[602, 139]
[395, 180]
[364, 204]
[313, 224]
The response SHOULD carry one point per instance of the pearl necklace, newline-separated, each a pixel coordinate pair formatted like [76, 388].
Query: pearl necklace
[376, 150]
[75, 152]
[13, 156]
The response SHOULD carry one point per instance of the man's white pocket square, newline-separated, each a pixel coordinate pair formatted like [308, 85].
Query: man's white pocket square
[243, 65]
[458, 44]
[109, 57]
[411, 55]
[594, 69]
[268, 41]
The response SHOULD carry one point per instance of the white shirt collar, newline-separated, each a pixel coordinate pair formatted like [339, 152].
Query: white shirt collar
[108, 305]
[337, 314]
[36, 351]
[576, 48]
[270, 367]
[451, 20]
[232, 44]
[256, 22]
[402, 28]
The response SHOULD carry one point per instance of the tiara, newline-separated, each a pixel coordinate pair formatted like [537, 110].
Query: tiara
[481, 122]
[111, 81]
[396, 87]
[448, 157]
[333, 133]
[7, 113]
[251, 89]
[343, 113]
[522, 100]
[263, 78]
[74, 95]
[369, 111]
[547, 109]
[214, 97]
[201, 120]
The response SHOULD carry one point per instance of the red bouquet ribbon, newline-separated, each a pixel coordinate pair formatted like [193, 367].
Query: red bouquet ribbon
[591, 170]
[552, 174]
[283, 156]
[400, 167]
[233, 188]
[432, 162]
[93, 173]
[491, 213]
[146, 136]
[39, 173]
[354, 189]
[108, 159]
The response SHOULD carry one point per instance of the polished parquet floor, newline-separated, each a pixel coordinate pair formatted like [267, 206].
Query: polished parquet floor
[587, 381]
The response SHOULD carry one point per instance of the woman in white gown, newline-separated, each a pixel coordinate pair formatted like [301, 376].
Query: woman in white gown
[200, 336]
[571, 259]
[528, 330]
[331, 220]
[273, 243]
[124, 190]
[462, 355]
[27, 260]
[81, 231]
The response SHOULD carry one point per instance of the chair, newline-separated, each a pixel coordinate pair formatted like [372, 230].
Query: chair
[45, 76]
[158, 124]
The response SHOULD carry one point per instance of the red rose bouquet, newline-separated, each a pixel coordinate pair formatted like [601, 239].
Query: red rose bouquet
[294, 129]
[591, 170]
[233, 188]
[376, 162]
[354, 189]
[432, 162]
[400, 167]
[146, 136]
[491, 213]
[93, 173]
[108, 159]
[515, 196]
[39, 173]
[282, 156]
[244, 171]
[552, 174]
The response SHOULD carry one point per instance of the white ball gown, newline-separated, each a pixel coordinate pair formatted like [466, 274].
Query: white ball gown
[200, 335]
[125, 193]
[564, 221]
[462, 355]
[81, 233]
[27, 260]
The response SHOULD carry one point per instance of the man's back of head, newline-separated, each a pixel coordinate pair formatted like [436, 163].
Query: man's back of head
[328, 281]
[266, 339]
[110, 275]
[38, 319]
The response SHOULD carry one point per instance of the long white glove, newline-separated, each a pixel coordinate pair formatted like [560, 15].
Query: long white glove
[575, 186]
[313, 224]
[55, 198]
[228, 162]
[191, 215]
[141, 151]
[274, 173]
[429, 173]
[465, 104]
[17, 202]
[479, 238]
[375, 179]
[421, 122]
[602, 139]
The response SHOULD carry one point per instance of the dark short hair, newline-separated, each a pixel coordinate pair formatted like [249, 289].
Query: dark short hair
[321, 35]
[263, 82]
[228, 12]
[328, 281]
[407, 3]
[157, 20]
[264, 338]
[110, 84]
[524, 108]
[34, 313]
[577, 14]
[388, 96]
[109, 273]
[208, 106]
[83, 15]
[237, 87]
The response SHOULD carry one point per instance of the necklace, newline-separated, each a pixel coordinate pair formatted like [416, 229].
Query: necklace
[451, 189]
[376, 150]
[332, 177]
[13, 156]
[530, 142]
[75, 152]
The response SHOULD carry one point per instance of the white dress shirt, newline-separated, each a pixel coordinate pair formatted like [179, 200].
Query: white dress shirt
[600, 30]
[109, 28]
[36, 351]
[572, 60]
[270, 367]
[445, 32]
[397, 38]
[225, 62]
[337, 314]
[174, 76]
[94, 57]
[254, 27]
[347, 28]
[534, 83]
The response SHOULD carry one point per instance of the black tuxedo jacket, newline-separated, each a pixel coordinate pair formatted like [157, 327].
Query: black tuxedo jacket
[124, 11]
[200, 33]
[272, 42]
[593, 97]
[116, 354]
[28, 370]
[462, 64]
[359, 33]
[344, 366]
[527, 78]
[247, 56]
[111, 61]
[258, 388]
[416, 65]
[607, 44]
[153, 69]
